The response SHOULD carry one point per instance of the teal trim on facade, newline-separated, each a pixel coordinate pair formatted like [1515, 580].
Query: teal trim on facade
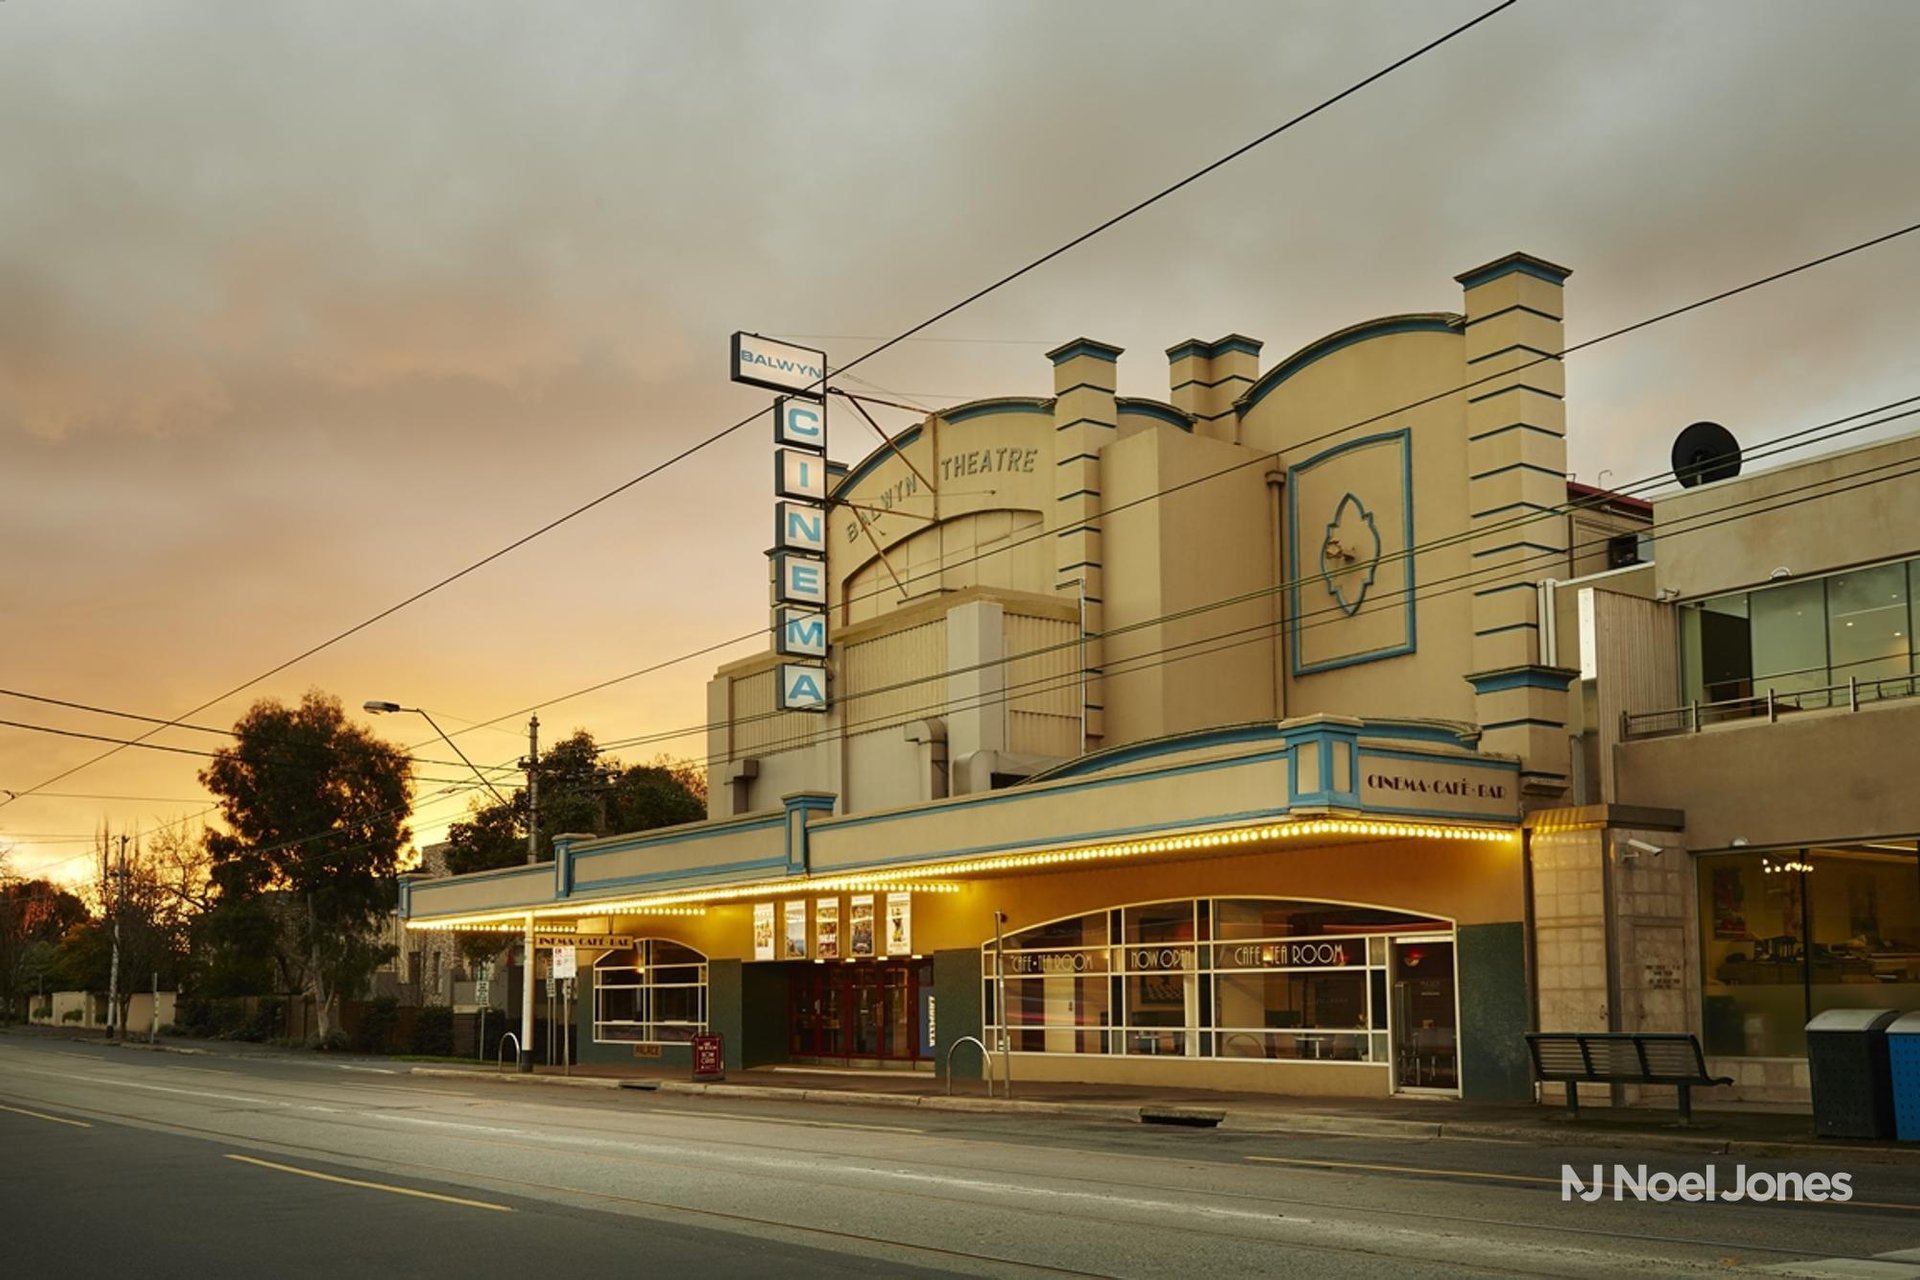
[1516, 506]
[670, 836]
[1020, 794]
[1524, 722]
[1504, 311]
[1464, 762]
[1511, 586]
[1520, 466]
[1154, 409]
[694, 877]
[1515, 346]
[1517, 426]
[1404, 437]
[1078, 837]
[872, 460]
[1233, 342]
[987, 408]
[1511, 626]
[1385, 327]
[1518, 386]
[1521, 678]
[1113, 757]
[1515, 546]
[1514, 264]
[1085, 422]
[1086, 347]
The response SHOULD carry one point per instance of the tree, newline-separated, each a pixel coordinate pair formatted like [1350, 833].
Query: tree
[34, 916]
[580, 790]
[303, 876]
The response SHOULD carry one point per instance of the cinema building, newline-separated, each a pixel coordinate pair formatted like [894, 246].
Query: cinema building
[1297, 732]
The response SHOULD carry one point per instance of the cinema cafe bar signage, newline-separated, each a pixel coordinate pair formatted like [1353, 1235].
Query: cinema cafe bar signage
[1435, 787]
[799, 511]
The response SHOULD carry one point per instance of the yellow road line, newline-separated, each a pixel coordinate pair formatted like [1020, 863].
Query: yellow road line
[41, 1115]
[372, 1186]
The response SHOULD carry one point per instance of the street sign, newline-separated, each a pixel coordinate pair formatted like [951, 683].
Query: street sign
[566, 962]
[709, 1058]
[483, 992]
[597, 941]
[550, 988]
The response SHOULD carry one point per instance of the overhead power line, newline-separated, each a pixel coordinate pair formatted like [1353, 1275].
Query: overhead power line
[1814, 490]
[1261, 459]
[717, 436]
[1833, 429]
[182, 724]
[1329, 615]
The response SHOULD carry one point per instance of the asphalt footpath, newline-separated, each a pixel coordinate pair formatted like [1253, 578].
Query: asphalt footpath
[1752, 1131]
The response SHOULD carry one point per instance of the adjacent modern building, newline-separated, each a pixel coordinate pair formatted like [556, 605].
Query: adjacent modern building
[1305, 731]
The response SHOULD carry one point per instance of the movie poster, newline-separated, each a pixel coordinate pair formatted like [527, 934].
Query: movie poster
[763, 931]
[797, 930]
[899, 924]
[861, 926]
[826, 929]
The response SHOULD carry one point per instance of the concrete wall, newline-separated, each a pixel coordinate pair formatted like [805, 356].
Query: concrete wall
[1839, 518]
[1815, 776]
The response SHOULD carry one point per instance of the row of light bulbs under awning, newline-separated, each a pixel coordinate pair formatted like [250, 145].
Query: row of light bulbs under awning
[934, 877]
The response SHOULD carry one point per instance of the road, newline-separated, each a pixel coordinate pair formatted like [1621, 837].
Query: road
[113, 1159]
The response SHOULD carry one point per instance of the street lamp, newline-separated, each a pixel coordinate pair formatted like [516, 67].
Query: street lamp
[377, 708]
[390, 708]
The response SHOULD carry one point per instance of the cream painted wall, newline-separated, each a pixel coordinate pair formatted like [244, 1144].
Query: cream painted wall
[1351, 384]
[1846, 522]
[1209, 542]
[1815, 776]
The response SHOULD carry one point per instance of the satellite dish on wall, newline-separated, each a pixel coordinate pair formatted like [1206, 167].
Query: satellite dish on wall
[1705, 452]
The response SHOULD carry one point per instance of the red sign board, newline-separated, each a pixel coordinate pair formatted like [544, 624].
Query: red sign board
[709, 1058]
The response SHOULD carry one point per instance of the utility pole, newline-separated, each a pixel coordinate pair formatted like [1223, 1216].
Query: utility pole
[118, 878]
[533, 856]
[532, 764]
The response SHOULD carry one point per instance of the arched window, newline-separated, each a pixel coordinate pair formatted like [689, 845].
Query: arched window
[654, 994]
[1222, 978]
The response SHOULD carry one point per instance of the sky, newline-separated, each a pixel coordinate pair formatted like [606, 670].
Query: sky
[305, 306]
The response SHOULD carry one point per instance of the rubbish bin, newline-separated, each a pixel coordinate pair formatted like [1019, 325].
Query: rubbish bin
[1852, 1083]
[1903, 1059]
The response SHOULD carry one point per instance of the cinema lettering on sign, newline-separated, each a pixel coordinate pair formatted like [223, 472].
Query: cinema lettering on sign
[1437, 788]
[801, 477]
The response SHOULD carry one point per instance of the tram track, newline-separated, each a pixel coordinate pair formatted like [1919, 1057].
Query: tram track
[572, 1146]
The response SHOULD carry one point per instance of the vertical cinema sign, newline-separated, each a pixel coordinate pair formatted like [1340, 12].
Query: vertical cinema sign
[799, 510]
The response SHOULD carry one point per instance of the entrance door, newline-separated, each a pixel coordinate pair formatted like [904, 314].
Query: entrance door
[1426, 1019]
[855, 1012]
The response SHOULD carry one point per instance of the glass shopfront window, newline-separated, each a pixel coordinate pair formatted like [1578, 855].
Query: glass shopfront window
[1788, 933]
[1799, 638]
[653, 994]
[1221, 978]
